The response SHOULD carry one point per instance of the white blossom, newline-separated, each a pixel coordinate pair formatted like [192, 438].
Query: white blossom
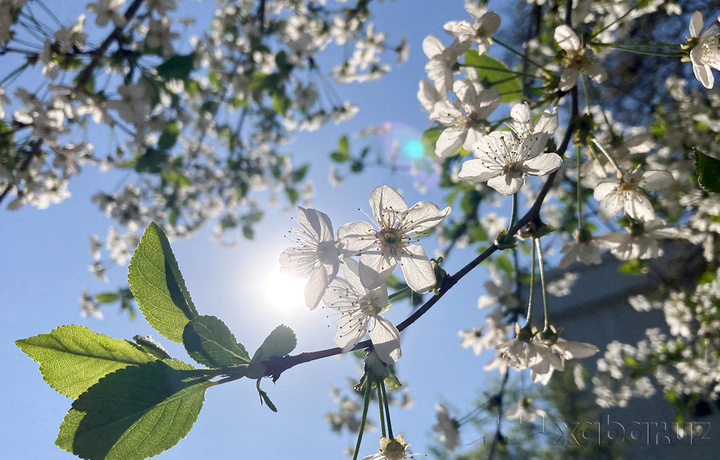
[576, 61]
[503, 162]
[447, 427]
[315, 255]
[705, 51]
[359, 309]
[479, 32]
[388, 243]
[525, 411]
[625, 194]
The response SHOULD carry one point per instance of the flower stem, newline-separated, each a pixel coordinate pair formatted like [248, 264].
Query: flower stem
[382, 411]
[579, 188]
[387, 409]
[522, 56]
[513, 212]
[366, 404]
[398, 293]
[609, 157]
[637, 51]
[532, 285]
[546, 309]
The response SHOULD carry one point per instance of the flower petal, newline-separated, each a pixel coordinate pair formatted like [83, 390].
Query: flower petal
[316, 286]
[352, 326]
[385, 203]
[432, 46]
[356, 237]
[449, 141]
[317, 223]
[610, 205]
[542, 164]
[507, 184]
[566, 38]
[386, 339]
[696, 24]
[477, 171]
[423, 216]
[417, 269]
[375, 268]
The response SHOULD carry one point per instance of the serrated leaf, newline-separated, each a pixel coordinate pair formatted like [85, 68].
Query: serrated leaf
[708, 172]
[73, 358]
[134, 413]
[280, 342]
[495, 74]
[178, 66]
[210, 342]
[158, 286]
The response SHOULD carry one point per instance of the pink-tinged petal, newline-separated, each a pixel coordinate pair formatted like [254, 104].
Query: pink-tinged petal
[427, 95]
[638, 206]
[696, 24]
[507, 184]
[477, 171]
[352, 326]
[543, 164]
[449, 141]
[385, 202]
[566, 38]
[605, 188]
[704, 75]
[385, 339]
[569, 79]
[474, 134]
[423, 216]
[356, 237]
[465, 92]
[490, 22]
[432, 46]
[610, 206]
[417, 269]
[458, 28]
[317, 223]
[653, 181]
[596, 72]
[375, 268]
[315, 288]
[532, 145]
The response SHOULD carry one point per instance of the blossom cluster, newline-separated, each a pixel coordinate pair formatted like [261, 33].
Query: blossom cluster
[360, 295]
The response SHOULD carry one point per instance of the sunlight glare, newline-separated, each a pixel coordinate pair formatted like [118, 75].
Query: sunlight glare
[283, 291]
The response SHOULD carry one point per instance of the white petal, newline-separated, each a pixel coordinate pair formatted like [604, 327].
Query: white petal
[317, 221]
[490, 23]
[356, 237]
[417, 269]
[474, 134]
[458, 28]
[352, 326]
[427, 95]
[449, 141]
[476, 171]
[605, 188]
[351, 272]
[297, 262]
[446, 113]
[547, 123]
[507, 184]
[543, 164]
[386, 340]
[576, 350]
[315, 288]
[423, 216]
[638, 206]
[704, 75]
[610, 206]
[653, 181]
[596, 72]
[438, 70]
[532, 145]
[385, 202]
[569, 79]
[375, 268]
[465, 92]
[696, 24]
[520, 113]
[341, 295]
[566, 38]
[432, 46]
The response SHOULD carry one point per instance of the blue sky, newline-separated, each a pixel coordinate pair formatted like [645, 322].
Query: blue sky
[44, 258]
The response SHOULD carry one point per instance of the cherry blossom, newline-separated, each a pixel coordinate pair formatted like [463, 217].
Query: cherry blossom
[464, 120]
[315, 255]
[447, 427]
[641, 242]
[479, 32]
[625, 194]
[391, 449]
[360, 308]
[525, 411]
[705, 49]
[576, 61]
[503, 162]
[388, 242]
[440, 67]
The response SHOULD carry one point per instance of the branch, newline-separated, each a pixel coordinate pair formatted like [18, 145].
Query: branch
[276, 366]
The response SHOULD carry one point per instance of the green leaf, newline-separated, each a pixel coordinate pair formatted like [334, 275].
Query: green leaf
[73, 358]
[158, 286]
[148, 345]
[169, 135]
[495, 74]
[178, 66]
[134, 413]
[338, 157]
[264, 396]
[344, 146]
[210, 342]
[107, 297]
[292, 194]
[281, 103]
[708, 172]
[280, 342]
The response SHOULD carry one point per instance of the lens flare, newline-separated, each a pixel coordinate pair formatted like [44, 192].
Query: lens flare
[404, 149]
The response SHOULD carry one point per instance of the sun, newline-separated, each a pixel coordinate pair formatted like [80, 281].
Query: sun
[283, 291]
